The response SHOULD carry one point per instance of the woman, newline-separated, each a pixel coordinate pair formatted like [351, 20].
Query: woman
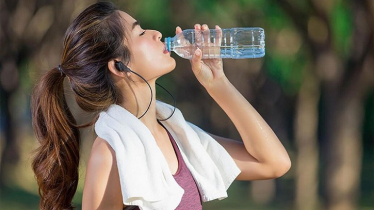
[146, 154]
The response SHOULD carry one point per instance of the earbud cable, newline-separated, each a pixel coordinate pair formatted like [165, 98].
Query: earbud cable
[150, 102]
[174, 102]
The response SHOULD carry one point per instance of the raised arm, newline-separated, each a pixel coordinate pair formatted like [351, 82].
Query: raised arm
[261, 155]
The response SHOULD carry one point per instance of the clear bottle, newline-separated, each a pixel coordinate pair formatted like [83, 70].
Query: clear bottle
[233, 43]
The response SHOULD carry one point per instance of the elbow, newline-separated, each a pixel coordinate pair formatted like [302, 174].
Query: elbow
[281, 167]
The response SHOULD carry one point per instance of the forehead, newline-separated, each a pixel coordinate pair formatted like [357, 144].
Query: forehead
[128, 20]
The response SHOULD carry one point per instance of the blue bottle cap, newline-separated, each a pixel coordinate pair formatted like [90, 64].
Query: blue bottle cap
[167, 43]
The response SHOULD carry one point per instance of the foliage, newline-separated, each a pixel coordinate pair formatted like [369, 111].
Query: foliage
[342, 26]
[292, 56]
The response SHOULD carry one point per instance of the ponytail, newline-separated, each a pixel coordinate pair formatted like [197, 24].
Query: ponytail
[57, 159]
[96, 36]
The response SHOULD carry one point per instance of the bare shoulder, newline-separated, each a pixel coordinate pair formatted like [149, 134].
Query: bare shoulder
[102, 187]
[102, 152]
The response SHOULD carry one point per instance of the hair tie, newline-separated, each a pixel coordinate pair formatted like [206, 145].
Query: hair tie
[60, 70]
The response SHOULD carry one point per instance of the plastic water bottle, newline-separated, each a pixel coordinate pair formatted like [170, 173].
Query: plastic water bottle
[233, 43]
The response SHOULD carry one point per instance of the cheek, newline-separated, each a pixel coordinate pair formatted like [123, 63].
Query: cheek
[145, 55]
[148, 57]
[138, 60]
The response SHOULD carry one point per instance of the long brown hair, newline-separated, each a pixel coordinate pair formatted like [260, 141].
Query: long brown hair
[95, 37]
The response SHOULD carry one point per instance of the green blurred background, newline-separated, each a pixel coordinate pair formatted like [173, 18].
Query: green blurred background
[314, 87]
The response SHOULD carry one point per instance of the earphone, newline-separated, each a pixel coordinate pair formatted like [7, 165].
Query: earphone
[123, 68]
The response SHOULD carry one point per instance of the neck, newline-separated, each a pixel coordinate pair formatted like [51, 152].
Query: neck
[136, 100]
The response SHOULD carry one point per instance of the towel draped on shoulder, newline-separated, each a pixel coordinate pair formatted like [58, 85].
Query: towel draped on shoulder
[145, 178]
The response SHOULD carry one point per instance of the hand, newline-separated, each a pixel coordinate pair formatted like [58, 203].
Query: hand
[207, 71]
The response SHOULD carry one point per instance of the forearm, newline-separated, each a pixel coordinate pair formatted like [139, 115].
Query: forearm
[259, 139]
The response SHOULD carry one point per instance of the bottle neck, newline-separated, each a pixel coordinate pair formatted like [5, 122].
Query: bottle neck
[169, 44]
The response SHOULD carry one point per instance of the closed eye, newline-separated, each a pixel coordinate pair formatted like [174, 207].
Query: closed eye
[142, 33]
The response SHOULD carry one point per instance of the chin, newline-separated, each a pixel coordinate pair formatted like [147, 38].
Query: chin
[173, 65]
[168, 65]
[168, 69]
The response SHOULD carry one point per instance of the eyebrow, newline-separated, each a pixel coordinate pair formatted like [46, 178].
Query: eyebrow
[136, 23]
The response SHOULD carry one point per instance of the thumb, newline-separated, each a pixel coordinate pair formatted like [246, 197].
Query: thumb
[196, 61]
[178, 30]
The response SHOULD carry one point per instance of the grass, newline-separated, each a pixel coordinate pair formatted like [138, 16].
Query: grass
[17, 198]
[12, 197]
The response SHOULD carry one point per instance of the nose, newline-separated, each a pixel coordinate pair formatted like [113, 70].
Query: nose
[158, 35]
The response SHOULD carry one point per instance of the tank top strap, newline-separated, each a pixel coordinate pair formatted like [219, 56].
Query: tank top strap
[191, 198]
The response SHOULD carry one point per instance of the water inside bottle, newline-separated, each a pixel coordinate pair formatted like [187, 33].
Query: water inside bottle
[243, 51]
[237, 52]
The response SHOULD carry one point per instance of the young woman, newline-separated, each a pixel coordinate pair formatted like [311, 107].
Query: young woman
[146, 155]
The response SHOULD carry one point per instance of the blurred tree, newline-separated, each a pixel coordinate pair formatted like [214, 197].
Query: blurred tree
[310, 86]
[31, 38]
[341, 68]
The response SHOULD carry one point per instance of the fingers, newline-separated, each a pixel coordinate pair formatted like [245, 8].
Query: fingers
[206, 34]
[178, 30]
[198, 36]
[202, 34]
[202, 37]
[208, 42]
[196, 61]
[218, 38]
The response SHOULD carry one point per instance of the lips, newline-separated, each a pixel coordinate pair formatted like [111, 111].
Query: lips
[165, 50]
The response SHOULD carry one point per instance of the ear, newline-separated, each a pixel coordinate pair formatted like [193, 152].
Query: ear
[113, 69]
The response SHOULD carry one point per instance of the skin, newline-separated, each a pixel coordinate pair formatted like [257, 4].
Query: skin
[260, 155]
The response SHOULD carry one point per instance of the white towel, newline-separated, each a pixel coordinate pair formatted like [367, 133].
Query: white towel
[145, 178]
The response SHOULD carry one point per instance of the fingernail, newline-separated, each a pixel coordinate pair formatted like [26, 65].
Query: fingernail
[198, 52]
